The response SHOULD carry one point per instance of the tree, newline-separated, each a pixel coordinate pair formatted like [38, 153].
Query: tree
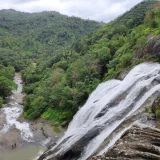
[6, 86]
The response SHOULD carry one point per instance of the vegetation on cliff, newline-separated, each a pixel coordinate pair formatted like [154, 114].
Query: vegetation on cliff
[64, 82]
[6, 82]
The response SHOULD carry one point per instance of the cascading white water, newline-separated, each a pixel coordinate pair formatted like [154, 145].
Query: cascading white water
[13, 112]
[107, 107]
[11, 121]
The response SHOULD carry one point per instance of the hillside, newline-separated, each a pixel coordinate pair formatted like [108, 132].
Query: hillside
[34, 34]
[58, 86]
[120, 39]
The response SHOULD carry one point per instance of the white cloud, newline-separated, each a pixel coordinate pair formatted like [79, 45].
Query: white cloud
[100, 10]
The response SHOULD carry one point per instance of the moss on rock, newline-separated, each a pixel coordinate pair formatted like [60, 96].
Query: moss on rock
[156, 107]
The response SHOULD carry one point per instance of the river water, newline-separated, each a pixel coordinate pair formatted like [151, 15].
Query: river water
[16, 138]
[29, 152]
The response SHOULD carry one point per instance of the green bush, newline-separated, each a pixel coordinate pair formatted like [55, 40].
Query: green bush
[126, 60]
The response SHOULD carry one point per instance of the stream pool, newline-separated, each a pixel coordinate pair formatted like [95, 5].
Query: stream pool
[27, 152]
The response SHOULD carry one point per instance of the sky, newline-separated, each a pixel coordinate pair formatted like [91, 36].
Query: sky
[99, 10]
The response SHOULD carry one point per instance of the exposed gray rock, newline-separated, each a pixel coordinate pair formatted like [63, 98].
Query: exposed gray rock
[138, 143]
[153, 47]
[122, 75]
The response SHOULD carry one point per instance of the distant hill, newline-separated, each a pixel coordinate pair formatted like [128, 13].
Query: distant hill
[38, 33]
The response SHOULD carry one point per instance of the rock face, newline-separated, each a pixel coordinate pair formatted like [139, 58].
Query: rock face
[138, 143]
[153, 47]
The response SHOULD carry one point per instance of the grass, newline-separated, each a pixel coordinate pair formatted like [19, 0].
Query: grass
[56, 115]
[56, 129]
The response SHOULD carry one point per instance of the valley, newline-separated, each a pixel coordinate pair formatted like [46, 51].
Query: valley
[75, 89]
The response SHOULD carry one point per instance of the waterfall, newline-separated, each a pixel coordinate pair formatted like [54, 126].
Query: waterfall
[107, 107]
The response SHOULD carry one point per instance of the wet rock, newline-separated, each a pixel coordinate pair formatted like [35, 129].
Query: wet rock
[64, 124]
[122, 75]
[2, 120]
[76, 149]
[142, 144]
[19, 98]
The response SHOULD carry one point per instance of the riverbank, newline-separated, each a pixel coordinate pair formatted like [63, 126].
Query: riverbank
[17, 132]
[43, 131]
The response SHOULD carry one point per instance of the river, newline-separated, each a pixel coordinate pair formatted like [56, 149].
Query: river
[17, 140]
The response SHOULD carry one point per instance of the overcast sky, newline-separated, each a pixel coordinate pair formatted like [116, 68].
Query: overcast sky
[100, 10]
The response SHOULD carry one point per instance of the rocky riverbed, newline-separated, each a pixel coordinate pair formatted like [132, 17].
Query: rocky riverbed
[17, 132]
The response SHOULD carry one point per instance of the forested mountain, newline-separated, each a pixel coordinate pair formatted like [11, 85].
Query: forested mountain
[60, 84]
[34, 34]
[117, 43]
[25, 37]
[63, 59]
[6, 82]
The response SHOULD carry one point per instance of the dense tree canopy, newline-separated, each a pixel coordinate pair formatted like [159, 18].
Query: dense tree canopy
[35, 34]
[14, 59]
[6, 82]
[63, 67]
[31, 40]
[65, 80]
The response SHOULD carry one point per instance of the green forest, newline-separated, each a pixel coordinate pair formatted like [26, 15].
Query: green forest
[62, 59]
[6, 82]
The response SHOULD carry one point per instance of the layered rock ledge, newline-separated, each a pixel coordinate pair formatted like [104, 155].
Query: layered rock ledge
[138, 143]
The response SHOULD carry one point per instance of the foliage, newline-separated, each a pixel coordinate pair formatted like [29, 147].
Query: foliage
[64, 68]
[37, 34]
[53, 114]
[14, 59]
[62, 91]
[7, 72]
[6, 86]
[66, 79]
[6, 81]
